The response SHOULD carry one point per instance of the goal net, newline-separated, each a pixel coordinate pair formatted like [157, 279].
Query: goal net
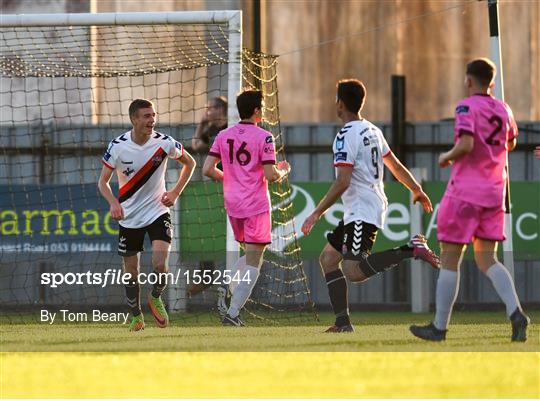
[67, 81]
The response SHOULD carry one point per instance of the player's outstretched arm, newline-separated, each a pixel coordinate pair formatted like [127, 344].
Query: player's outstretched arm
[210, 170]
[461, 148]
[169, 198]
[340, 185]
[404, 176]
[116, 210]
[277, 172]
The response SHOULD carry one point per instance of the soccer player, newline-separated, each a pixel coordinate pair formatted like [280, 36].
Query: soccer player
[212, 122]
[360, 150]
[472, 208]
[248, 156]
[139, 158]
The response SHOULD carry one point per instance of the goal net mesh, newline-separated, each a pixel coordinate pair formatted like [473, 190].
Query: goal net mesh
[65, 92]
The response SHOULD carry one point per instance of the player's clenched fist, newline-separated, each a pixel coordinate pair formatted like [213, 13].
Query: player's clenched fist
[444, 161]
[117, 213]
[169, 199]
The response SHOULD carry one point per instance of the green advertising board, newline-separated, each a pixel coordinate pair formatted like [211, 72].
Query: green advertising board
[205, 228]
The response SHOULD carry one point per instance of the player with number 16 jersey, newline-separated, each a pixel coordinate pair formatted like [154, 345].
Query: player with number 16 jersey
[248, 158]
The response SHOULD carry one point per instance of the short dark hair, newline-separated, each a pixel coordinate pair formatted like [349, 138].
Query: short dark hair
[221, 103]
[138, 104]
[352, 93]
[247, 102]
[483, 70]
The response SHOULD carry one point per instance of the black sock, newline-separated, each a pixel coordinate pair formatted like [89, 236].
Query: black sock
[132, 297]
[159, 285]
[380, 261]
[337, 290]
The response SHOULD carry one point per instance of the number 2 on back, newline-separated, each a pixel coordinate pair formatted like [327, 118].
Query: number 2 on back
[490, 140]
[243, 157]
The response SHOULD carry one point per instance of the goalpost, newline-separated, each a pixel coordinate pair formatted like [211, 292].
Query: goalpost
[67, 81]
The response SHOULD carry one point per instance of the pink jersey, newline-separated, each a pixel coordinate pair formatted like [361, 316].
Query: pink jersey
[479, 177]
[243, 149]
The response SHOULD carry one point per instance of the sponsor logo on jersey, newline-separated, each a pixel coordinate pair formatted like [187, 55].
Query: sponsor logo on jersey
[366, 141]
[268, 149]
[269, 139]
[127, 172]
[106, 156]
[178, 146]
[340, 156]
[365, 130]
[340, 143]
[462, 109]
[123, 162]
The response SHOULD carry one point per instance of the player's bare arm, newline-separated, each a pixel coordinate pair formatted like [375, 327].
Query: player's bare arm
[277, 172]
[169, 198]
[210, 170]
[404, 176]
[461, 148]
[340, 185]
[117, 213]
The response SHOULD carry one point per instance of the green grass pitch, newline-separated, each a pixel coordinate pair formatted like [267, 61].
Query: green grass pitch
[470, 331]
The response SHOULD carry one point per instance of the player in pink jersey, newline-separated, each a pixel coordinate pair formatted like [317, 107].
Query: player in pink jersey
[472, 208]
[248, 158]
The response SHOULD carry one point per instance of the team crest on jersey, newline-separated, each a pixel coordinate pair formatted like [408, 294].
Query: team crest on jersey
[156, 160]
[128, 171]
[340, 156]
[340, 143]
[462, 109]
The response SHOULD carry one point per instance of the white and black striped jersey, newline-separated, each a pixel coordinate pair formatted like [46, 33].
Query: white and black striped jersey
[141, 175]
[361, 144]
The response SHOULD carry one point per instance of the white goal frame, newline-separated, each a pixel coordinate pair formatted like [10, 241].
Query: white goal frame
[233, 20]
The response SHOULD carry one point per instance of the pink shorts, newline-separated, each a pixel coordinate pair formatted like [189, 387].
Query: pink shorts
[459, 222]
[254, 229]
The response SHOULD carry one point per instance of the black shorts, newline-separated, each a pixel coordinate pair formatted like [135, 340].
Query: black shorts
[131, 240]
[354, 239]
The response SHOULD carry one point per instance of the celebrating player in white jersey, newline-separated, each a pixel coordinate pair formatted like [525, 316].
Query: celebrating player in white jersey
[359, 153]
[139, 158]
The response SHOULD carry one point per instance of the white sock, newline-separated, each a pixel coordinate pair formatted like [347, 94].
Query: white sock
[504, 285]
[447, 290]
[238, 267]
[243, 290]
